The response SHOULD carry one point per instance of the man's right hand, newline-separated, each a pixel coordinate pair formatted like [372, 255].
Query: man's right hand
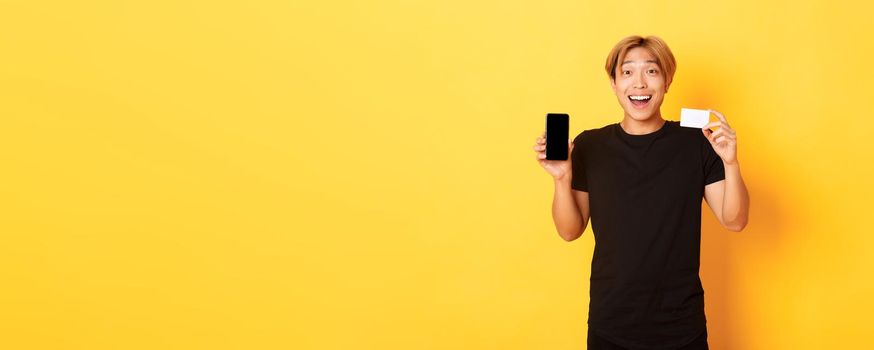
[559, 169]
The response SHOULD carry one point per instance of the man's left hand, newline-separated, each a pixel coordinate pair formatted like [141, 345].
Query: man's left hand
[724, 140]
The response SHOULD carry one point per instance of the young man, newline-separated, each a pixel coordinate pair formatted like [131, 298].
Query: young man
[642, 180]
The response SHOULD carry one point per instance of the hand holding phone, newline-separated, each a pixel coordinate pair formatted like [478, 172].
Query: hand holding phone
[558, 168]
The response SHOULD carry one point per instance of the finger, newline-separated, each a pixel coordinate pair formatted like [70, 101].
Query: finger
[541, 155]
[718, 123]
[717, 138]
[712, 124]
[720, 116]
[727, 128]
[713, 137]
[718, 133]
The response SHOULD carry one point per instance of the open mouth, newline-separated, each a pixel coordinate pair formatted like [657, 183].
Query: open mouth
[640, 101]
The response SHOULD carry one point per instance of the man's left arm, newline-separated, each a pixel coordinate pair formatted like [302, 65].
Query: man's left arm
[729, 198]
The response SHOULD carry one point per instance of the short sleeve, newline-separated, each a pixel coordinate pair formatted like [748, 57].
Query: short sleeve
[713, 168]
[578, 164]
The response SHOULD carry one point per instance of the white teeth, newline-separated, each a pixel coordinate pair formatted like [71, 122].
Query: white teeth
[640, 98]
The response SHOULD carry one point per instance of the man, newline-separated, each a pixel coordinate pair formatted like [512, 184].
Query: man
[641, 181]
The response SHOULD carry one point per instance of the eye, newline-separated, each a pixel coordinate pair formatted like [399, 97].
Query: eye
[626, 72]
[652, 71]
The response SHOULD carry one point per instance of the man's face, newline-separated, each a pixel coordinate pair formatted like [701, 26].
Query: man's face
[639, 84]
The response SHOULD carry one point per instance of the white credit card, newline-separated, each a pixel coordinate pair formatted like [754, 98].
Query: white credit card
[694, 118]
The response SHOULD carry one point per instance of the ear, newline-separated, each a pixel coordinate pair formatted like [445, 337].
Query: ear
[613, 83]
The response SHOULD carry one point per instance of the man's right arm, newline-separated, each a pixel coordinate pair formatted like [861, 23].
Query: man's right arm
[570, 210]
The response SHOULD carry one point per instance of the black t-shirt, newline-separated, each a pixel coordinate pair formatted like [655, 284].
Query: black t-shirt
[645, 196]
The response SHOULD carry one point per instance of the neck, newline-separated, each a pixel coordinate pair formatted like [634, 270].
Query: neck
[641, 127]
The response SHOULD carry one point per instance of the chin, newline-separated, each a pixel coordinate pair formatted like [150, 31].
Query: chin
[640, 115]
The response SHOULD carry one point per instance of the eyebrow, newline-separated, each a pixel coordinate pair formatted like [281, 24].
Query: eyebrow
[647, 61]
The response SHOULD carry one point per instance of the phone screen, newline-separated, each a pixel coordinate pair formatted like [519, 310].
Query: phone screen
[557, 136]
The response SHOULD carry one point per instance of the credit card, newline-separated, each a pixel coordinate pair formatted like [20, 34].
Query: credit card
[694, 118]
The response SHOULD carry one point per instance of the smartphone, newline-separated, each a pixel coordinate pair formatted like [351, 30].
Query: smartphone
[557, 136]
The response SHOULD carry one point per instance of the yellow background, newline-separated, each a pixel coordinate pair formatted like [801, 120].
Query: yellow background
[359, 174]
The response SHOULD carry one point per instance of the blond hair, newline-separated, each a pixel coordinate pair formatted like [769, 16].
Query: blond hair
[655, 45]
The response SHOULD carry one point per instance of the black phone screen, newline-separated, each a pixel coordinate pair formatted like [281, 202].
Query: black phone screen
[557, 136]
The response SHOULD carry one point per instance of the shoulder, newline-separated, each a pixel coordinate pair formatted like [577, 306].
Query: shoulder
[693, 134]
[596, 133]
[694, 140]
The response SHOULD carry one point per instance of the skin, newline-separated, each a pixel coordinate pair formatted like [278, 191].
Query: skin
[639, 74]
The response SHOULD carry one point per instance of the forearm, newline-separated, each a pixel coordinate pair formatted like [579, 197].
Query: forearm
[565, 213]
[736, 200]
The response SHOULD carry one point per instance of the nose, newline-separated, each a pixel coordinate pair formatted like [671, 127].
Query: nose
[639, 81]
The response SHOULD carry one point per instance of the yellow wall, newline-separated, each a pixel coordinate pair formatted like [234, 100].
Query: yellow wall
[359, 175]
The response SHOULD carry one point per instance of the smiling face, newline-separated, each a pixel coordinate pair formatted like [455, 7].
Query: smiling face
[640, 84]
